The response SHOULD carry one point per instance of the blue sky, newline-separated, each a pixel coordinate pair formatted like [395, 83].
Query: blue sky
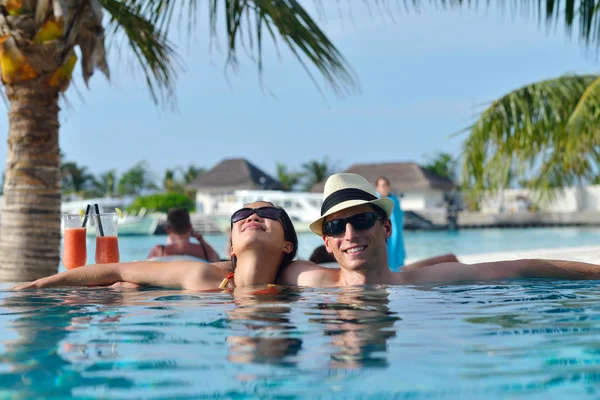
[421, 78]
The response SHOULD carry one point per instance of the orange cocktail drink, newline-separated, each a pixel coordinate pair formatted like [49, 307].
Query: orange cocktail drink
[107, 240]
[107, 249]
[74, 241]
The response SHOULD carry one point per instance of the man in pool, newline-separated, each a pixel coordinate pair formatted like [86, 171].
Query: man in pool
[355, 225]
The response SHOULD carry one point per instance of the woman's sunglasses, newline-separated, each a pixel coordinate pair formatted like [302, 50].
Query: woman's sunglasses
[360, 222]
[263, 212]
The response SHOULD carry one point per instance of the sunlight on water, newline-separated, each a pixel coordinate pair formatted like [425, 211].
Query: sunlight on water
[536, 339]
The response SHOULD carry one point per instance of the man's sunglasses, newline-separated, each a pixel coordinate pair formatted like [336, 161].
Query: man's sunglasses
[359, 222]
[263, 212]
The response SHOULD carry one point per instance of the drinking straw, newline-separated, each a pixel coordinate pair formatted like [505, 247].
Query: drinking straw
[99, 221]
[87, 212]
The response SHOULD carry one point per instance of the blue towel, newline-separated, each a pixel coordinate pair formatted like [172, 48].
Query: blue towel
[395, 244]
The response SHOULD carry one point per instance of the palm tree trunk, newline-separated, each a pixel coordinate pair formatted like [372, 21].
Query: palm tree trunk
[30, 214]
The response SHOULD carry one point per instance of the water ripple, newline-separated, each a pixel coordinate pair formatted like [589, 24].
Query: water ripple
[528, 338]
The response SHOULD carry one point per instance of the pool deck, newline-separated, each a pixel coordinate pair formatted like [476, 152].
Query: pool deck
[589, 254]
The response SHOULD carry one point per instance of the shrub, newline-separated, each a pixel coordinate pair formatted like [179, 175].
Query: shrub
[162, 202]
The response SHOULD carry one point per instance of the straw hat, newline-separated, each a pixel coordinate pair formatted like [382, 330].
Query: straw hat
[346, 190]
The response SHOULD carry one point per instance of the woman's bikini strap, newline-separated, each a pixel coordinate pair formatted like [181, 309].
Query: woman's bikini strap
[223, 284]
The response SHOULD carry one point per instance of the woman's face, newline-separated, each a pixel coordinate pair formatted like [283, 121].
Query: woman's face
[258, 231]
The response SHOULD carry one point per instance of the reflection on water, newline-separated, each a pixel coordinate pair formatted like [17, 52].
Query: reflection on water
[538, 339]
[38, 358]
[359, 324]
[267, 326]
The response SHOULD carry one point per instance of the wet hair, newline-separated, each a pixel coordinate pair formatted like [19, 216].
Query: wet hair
[320, 255]
[382, 178]
[289, 235]
[178, 220]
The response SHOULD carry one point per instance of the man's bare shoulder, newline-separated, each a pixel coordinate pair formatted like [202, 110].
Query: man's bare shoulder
[307, 273]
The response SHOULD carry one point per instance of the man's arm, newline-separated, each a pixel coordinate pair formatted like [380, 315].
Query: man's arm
[428, 262]
[306, 273]
[527, 268]
[177, 275]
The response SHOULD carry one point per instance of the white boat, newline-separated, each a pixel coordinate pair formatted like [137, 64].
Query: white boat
[302, 207]
[141, 223]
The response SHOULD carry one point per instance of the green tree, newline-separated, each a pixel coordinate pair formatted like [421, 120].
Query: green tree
[317, 171]
[105, 184]
[37, 58]
[442, 164]
[162, 202]
[75, 178]
[288, 179]
[136, 180]
[171, 183]
[191, 173]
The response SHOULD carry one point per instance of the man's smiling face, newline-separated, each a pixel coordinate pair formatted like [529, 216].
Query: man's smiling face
[359, 249]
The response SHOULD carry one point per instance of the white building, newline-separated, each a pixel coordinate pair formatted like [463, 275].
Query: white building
[235, 182]
[571, 199]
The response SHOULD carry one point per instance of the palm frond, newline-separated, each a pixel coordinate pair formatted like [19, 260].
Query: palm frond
[156, 55]
[533, 134]
[146, 23]
[246, 22]
[588, 106]
[288, 21]
[570, 13]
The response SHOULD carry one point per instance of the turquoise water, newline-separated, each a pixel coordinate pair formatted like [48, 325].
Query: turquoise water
[525, 339]
[418, 244]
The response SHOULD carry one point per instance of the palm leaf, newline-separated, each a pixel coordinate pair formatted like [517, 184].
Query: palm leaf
[587, 106]
[145, 23]
[543, 133]
[155, 54]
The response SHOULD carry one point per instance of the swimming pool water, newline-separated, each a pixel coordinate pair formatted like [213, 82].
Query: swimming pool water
[534, 339]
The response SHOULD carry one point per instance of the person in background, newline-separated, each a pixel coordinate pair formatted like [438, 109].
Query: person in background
[320, 256]
[179, 231]
[395, 244]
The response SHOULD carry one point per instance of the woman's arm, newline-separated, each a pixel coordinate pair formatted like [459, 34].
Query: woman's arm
[177, 275]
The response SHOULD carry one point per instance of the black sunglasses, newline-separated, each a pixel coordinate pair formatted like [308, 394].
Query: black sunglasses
[263, 212]
[360, 222]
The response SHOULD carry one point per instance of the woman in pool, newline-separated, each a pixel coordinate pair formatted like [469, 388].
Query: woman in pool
[263, 241]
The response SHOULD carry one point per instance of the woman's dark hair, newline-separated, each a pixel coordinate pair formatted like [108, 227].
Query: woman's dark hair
[289, 234]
